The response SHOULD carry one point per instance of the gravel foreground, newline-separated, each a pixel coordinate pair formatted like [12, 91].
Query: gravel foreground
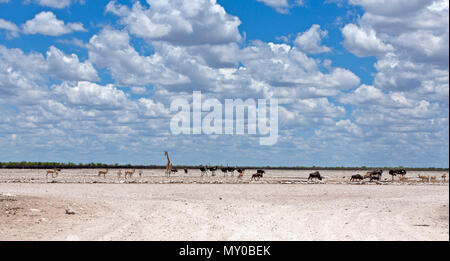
[40, 211]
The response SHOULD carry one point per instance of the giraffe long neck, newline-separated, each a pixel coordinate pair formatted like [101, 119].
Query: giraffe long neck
[168, 160]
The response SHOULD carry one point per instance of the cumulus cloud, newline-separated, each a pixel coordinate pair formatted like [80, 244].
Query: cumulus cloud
[310, 41]
[46, 23]
[363, 42]
[111, 49]
[179, 22]
[11, 28]
[68, 67]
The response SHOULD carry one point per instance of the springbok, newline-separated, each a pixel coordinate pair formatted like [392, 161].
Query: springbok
[103, 172]
[140, 173]
[54, 172]
[424, 178]
[129, 173]
[433, 178]
[119, 173]
[444, 176]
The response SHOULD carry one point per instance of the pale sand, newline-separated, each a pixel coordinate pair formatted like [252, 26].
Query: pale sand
[220, 211]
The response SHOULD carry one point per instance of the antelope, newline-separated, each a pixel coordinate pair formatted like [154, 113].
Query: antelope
[356, 177]
[140, 173]
[103, 172]
[433, 178]
[54, 172]
[315, 175]
[119, 173]
[424, 178]
[213, 170]
[444, 176]
[257, 175]
[129, 173]
[203, 171]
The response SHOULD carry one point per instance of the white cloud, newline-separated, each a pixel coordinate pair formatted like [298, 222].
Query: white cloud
[46, 23]
[282, 6]
[11, 28]
[92, 95]
[111, 49]
[362, 42]
[310, 41]
[68, 67]
[179, 22]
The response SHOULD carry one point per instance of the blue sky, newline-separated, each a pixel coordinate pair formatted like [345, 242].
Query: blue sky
[360, 82]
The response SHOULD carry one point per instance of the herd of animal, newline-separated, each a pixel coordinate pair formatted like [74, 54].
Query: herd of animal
[371, 175]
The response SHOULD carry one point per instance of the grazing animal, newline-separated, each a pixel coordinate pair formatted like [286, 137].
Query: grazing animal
[119, 173]
[140, 173]
[314, 175]
[103, 172]
[443, 177]
[174, 170]
[424, 178]
[375, 176]
[394, 172]
[241, 173]
[374, 172]
[403, 178]
[54, 172]
[168, 165]
[203, 170]
[356, 177]
[433, 178]
[213, 170]
[256, 176]
[397, 172]
[224, 171]
[231, 170]
[261, 171]
[185, 171]
[129, 173]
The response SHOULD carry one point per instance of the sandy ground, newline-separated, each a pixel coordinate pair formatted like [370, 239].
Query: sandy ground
[33, 209]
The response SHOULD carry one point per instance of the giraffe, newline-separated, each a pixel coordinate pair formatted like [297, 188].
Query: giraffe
[168, 165]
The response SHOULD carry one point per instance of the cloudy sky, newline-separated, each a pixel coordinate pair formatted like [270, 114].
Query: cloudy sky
[359, 82]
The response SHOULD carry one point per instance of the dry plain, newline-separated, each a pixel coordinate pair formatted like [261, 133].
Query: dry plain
[281, 206]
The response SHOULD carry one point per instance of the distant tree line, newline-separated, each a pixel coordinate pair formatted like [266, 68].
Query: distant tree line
[93, 165]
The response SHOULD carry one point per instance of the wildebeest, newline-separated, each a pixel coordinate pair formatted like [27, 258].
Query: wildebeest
[356, 177]
[377, 172]
[394, 172]
[261, 171]
[397, 172]
[241, 172]
[185, 170]
[224, 171]
[257, 176]
[375, 176]
[314, 175]
[203, 170]
[231, 170]
[213, 170]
